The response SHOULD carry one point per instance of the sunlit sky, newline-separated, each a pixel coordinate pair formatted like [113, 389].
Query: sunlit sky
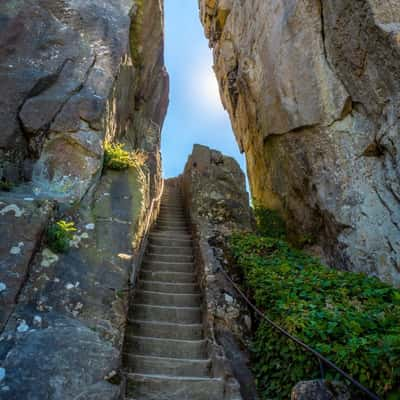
[195, 113]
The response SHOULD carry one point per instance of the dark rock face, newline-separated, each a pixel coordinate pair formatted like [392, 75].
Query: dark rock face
[215, 194]
[320, 390]
[74, 74]
[312, 90]
[69, 80]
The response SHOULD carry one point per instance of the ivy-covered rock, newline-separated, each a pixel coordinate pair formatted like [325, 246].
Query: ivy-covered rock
[352, 319]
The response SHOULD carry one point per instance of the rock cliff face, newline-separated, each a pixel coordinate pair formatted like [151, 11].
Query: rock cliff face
[74, 74]
[312, 89]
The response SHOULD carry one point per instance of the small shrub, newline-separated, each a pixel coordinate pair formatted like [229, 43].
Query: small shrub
[352, 319]
[269, 223]
[59, 235]
[116, 157]
[6, 185]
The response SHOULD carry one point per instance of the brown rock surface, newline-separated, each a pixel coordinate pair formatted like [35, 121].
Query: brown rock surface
[312, 91]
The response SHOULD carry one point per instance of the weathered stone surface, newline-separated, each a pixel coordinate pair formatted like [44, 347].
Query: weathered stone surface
[21, 227]
[73, 73]
[65, 336]
[214, 189]
[312, 91]
[320, 390]
[215, 194]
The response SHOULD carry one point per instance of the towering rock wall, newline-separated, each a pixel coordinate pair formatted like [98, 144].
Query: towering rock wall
[74, 74]
[312, 89]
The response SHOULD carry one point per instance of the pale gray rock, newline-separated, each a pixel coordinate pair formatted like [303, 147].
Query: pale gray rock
[312, 91]
[74, 73]
[214, 190]
[320, 390]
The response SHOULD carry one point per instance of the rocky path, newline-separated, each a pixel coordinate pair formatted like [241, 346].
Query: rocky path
[165, 349]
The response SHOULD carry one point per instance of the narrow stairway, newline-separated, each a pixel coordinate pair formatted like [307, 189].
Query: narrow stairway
[165, 352]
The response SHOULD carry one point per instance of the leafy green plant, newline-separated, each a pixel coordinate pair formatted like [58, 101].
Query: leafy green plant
[59, 235]
[6, 185]
[352, 319]
[116, 157]
[269, 222]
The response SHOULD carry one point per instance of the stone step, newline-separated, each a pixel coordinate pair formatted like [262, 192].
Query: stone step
[168, 299]
[176, 315]
[171, 234]
[169, 277]
[163, 287]
[151, 265]
[172, 204]
[185, 258]
[177, 229]
[166, 219]
[173, 201]
[177, 209]
[167, 366]
[167, 241]
[172, 224]
[172, 215]
[165, 330]
[164, 387]
[158, 347]
[170, 250]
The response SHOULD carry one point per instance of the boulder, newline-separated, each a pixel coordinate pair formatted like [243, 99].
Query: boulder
[320, 390]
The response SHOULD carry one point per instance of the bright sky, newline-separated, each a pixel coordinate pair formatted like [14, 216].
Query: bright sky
[195, 113]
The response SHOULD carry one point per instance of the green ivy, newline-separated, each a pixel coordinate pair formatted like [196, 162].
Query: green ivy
[59, 235]
[269, 222]
[352, 319]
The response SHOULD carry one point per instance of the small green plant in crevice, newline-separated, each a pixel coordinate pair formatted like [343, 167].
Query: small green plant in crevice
[117, 158]
[59, 235]
[352, 319]
[6, 185]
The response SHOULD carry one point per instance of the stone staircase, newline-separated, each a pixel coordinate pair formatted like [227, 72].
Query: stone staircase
[165, 352]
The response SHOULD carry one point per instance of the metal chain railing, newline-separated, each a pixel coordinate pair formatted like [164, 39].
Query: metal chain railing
[323, 361]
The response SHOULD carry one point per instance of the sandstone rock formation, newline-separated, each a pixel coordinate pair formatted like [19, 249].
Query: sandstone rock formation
[214, 191]
[74, 74]
[312, 89]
